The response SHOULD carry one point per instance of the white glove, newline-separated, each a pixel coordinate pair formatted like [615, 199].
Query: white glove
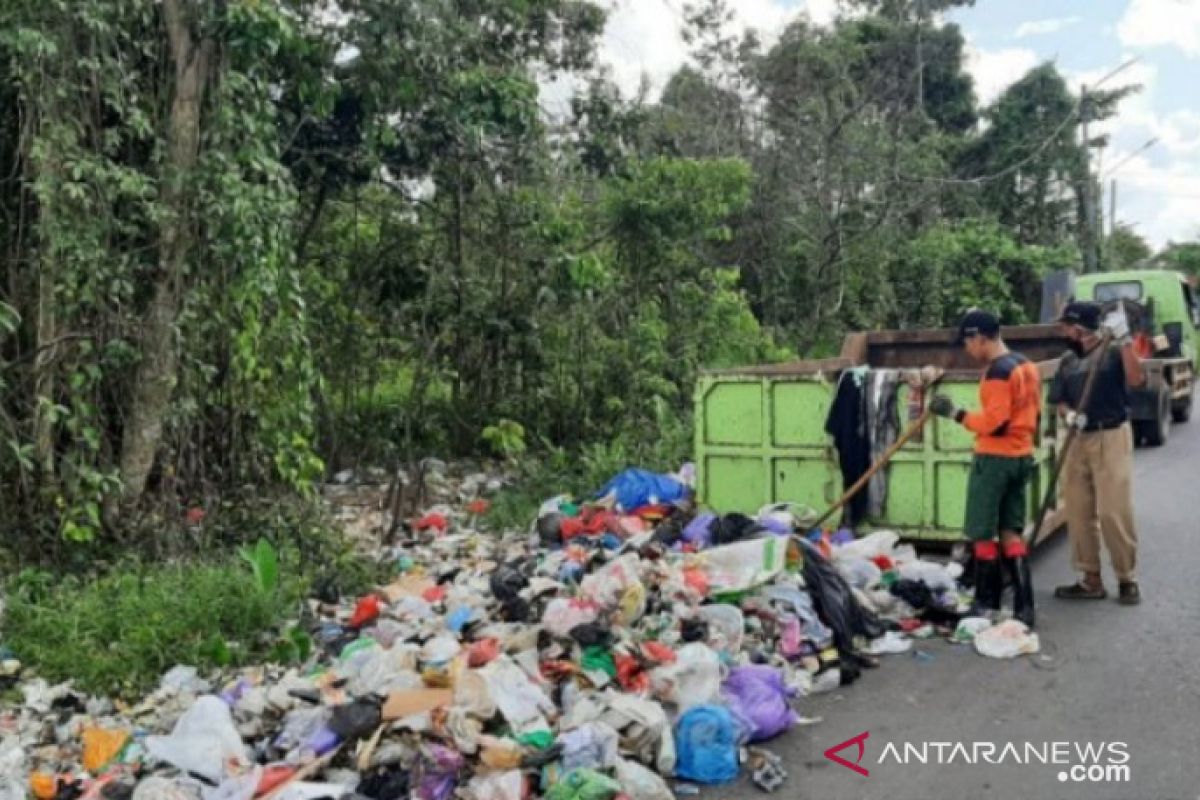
[1076, 420]
[1116, 325]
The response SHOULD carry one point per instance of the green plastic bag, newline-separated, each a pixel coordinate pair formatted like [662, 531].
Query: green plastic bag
[597, 658]
[584, 784]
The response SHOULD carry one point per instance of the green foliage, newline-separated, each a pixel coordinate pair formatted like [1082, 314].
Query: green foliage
[1182, 257]
[1124, 249]
[506, 438]
[120, 632]
[264, 562]
[951, 268]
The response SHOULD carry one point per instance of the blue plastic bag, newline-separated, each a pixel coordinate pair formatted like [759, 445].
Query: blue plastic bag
[706, 739]
[635, 488]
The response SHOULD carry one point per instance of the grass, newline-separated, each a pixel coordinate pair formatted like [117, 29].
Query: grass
[118, 633]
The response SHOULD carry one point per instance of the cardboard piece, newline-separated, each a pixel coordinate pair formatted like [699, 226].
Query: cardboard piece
[415, 701]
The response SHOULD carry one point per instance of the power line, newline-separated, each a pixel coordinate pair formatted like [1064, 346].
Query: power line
[1129, 157]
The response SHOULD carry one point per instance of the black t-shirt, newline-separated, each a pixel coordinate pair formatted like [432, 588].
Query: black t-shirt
[1109, 403]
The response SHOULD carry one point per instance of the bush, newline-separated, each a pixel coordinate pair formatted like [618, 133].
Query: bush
[119, 632]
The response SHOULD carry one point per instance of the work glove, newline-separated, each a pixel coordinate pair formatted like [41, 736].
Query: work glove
[1116, 325]
[943, 406]
[1076, 420]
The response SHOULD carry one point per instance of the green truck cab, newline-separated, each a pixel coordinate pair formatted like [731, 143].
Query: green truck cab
[1163, 308]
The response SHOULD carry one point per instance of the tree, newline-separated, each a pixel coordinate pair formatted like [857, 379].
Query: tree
[1125, 249]
[1180, 256]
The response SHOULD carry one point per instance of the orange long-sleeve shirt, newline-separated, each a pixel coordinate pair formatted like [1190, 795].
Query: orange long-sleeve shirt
[1010, 399]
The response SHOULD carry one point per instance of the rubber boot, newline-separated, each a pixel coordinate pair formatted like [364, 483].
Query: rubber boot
[1022, 588]
[989, 584]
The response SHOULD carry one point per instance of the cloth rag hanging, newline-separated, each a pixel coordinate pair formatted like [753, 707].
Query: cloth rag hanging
[884, 428]
[848, 425]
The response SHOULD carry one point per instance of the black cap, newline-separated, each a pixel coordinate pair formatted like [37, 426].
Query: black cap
[1085, 315]
[977, 322]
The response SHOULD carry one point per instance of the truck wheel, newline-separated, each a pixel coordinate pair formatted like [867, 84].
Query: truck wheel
[1156, 431]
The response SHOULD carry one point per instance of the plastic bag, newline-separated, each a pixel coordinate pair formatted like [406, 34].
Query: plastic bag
[726, 627]
[355, 720]
[698, 532]
[440, 650]
[890, 644]
[508, 785]
[584, 784]
[520, 700]
[1009, 639]
[641, 783]
[608, 585]
[156, 788]
[101, 746]
[182, 679]
[880, 543]
[744, 565]
[694, 678]
[204, 741]
[970, 627]
[801, 604]
[384, 671]
[590, 746]
[938, 577]
[635, 488]
[859, 572]
[758, 697]
[562, 614]
[706, 737]
[437, 773]
[835, 602]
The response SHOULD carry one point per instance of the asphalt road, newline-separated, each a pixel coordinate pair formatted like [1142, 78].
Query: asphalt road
[1107, 673]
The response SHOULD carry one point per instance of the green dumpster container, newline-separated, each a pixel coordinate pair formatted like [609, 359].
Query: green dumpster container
[760, 432]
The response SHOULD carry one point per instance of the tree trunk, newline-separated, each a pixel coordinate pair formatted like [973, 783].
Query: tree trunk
[155, 378]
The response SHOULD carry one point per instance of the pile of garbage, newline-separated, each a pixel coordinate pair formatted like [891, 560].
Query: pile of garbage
[625, 647]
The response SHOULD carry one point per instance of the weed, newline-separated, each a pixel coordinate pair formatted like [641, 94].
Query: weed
[118, 633]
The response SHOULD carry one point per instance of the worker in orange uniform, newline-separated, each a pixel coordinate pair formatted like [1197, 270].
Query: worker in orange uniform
[1010, 409]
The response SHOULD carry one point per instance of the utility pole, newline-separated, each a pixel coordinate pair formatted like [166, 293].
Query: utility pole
[1112, 208]
[1089, 211]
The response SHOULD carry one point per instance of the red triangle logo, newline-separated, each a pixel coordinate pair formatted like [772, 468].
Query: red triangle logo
[860, 740]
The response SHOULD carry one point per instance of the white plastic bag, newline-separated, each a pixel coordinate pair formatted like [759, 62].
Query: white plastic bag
[1009, 639]
[880, 543]
[726, 627]
[890, 643]
[608, 584]
[497, 786]
[156, 788]
[938, 577]
[521, 701]
[203, 741]
[859, 572]
[694, 679]
[563, 614]
[744, 565]
[592, 745]
[641, 783]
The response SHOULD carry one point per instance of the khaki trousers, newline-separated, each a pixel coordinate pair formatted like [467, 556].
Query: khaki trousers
[1098, 490]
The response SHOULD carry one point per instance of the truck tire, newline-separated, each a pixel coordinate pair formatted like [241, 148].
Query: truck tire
[1181, 410]
[1155, 432]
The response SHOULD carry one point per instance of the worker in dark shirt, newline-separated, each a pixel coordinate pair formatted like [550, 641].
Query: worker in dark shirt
[1005, 426]
[1098, 473]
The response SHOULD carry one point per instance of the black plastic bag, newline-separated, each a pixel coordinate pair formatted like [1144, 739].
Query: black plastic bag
[835, 603]
[356, 720]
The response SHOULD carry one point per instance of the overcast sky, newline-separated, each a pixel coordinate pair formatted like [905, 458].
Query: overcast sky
[1158, 189]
